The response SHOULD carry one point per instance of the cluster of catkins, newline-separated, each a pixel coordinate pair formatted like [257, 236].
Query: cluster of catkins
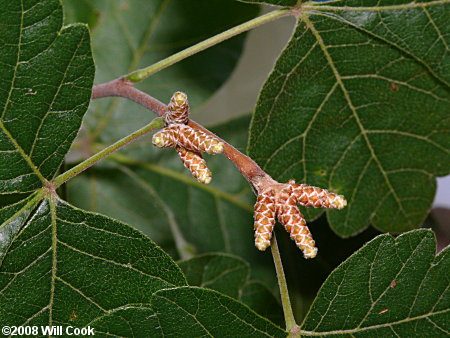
[276, 200]
[189, 142]
[281, 200]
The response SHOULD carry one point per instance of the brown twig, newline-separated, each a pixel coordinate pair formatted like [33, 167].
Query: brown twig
[123, 88]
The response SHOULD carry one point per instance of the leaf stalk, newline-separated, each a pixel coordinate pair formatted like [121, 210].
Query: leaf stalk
[291, 325]
[155, 124]
[144, 73]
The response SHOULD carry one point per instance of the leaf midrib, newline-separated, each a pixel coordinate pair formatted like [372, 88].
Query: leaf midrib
[355, 114]
[375, 8]
[373, 327]
[381, 38]
[8, 100]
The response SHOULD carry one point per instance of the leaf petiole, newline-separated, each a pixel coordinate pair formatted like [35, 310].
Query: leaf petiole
[64, 177]
[141, 74]
[291, 325]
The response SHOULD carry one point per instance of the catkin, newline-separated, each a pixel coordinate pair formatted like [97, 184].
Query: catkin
[178, 109]
[290, 216]
[196, 164]
[264, 219]
[180, 135]
[309, 196]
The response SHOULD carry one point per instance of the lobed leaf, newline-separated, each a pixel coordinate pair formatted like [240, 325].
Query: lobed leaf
[69, 265]
[47, 73]
[358, 103]
[391, 287]
[206, 312]
[42, 66]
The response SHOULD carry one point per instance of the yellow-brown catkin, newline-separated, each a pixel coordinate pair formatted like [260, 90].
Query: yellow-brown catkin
[309, 196]
[178, 109]
[196, 164]
[294, 223]
[180, 135]
[290, 216]
[264, 217]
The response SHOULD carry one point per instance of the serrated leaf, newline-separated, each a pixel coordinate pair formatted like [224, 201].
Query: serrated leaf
[41, 66]
[391, 287]
[160, 197]
[224, 273]
[261, 300]
[229, 275]
[47, 73]
[137, 34]
[273, 2]
[67, 261]
[130, 321]
[67, 266]
[350, 108]
[205, 312]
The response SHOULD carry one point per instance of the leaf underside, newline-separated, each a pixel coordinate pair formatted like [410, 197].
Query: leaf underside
[358, 103]
[61, 265]
[47, 74]
[229, 275]
[391, 287]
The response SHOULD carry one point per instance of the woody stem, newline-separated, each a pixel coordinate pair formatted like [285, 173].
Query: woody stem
[248, 168]
[123, 88]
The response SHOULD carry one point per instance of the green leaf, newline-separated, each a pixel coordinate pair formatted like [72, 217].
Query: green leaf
[41, 66]
[47, 73]
[130, 321]
[132, 34]
[261, 300]
[67, 264]
[273, 2]
[13, 217]
[358, 103]
[203, 312]
[220, 272]
[150, 188]
[229, 275]
[391, 287]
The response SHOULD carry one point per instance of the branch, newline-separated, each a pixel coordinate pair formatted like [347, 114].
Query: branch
[248, 168]
[123, 88]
